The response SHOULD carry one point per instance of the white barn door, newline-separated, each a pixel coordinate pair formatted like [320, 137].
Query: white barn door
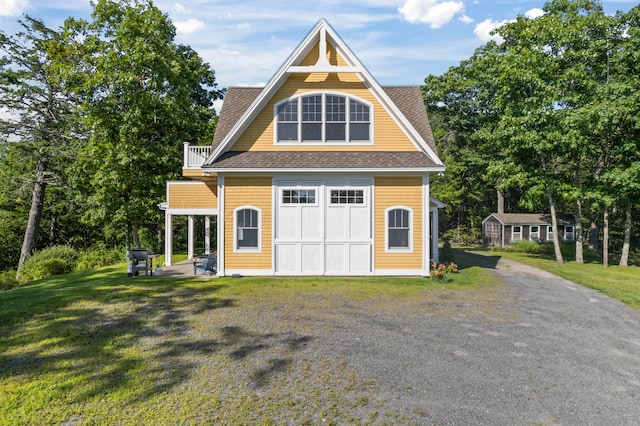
[323, 229]
[299, 232]
[348, 242]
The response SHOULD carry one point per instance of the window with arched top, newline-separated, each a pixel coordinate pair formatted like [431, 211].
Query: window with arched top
[320, 118]
[247, 229]
[399, 236]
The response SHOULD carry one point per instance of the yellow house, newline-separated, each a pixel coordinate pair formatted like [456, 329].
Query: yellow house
[321, 172]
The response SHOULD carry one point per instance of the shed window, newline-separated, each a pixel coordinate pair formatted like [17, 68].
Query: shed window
[516, 233]
[569, 233]
[534, 232]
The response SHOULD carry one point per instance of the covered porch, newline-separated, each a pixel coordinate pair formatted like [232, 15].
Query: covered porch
[192, 199]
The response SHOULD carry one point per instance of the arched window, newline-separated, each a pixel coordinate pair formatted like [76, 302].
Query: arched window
[399, 232]
[323, 118]
[247, 229]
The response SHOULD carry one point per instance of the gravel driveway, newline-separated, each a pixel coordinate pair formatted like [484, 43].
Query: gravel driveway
[540, 350]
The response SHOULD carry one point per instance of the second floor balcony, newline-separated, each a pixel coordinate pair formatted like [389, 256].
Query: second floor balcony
[195, 156]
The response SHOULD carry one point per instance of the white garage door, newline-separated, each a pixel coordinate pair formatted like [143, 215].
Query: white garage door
[323, 228]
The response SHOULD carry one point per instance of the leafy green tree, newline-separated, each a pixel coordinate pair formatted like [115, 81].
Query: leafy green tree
[143, 96]
[549, 114]
[461, 110]
[38, 127]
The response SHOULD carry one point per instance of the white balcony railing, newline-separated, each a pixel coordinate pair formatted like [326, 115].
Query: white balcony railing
[195, 156]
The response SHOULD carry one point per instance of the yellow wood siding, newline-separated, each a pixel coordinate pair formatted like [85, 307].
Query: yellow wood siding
[398, 191]
[193, 196]
[386, 133]
[248, 191]
[197, 174]
[333, 56]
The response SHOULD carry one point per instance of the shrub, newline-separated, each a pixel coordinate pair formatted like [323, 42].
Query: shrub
[96, 258]
[532, 247]
[446, 254]
[462, 235]
[53, 260]
[439, 271]
[8, 280]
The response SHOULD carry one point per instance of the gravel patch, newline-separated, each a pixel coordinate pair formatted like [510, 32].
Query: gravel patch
[530, 349]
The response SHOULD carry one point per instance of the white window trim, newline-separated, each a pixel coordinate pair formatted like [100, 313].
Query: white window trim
[573, 233]
[514, 233]
[365, 201]
[297, 188]
[550, 235]
[323, 142]
[388, 249]
[237, 249]
[531, 232]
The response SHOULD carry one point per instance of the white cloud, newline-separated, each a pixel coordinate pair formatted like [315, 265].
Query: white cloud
[189, 26]
[12, 7]
[465, 19]
[433, 12]
[534, 13]
[178, 8]
[483, 29]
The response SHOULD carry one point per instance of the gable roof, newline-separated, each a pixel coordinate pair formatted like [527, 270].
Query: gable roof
[246, 103]
[527, 219]
[408, 99]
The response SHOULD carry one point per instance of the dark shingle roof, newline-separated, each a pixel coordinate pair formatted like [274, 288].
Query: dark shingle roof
[409, 101]
[321, 160]
[529, 219]
[236, 101]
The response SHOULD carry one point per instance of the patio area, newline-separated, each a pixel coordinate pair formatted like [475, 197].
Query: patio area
[183, 269]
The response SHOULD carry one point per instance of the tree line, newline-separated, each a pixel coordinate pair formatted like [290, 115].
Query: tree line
[548, 120]
[93, 117]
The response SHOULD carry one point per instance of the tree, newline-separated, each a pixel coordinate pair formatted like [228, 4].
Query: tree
[40, 122]
[461, 111]
[143, 96]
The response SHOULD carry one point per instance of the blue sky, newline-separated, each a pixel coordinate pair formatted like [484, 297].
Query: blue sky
[245, 41]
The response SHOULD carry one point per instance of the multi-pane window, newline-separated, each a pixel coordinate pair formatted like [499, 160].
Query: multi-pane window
[550, 236]
[298, 196]
[336, 118]
[347, 196]
[568, 233]
[359, 122]
[288, 121]
[534, 232]
[516, 233]
[398, 228]
[321, 118]
[247, 229]
[312, 118]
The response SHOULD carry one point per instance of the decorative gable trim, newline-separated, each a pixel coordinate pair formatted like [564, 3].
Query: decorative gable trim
[319, 34]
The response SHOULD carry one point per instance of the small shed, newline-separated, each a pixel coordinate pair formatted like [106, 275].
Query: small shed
[503, 229]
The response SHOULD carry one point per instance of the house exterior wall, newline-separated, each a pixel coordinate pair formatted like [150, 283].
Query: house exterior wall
[398, 191]
[388, 136]
[255, 192]
[192, 195]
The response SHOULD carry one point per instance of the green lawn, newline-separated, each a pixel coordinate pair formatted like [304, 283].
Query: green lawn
[622, 283]
[100, 348]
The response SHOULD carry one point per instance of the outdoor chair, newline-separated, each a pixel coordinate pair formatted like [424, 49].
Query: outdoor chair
[208, 265]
